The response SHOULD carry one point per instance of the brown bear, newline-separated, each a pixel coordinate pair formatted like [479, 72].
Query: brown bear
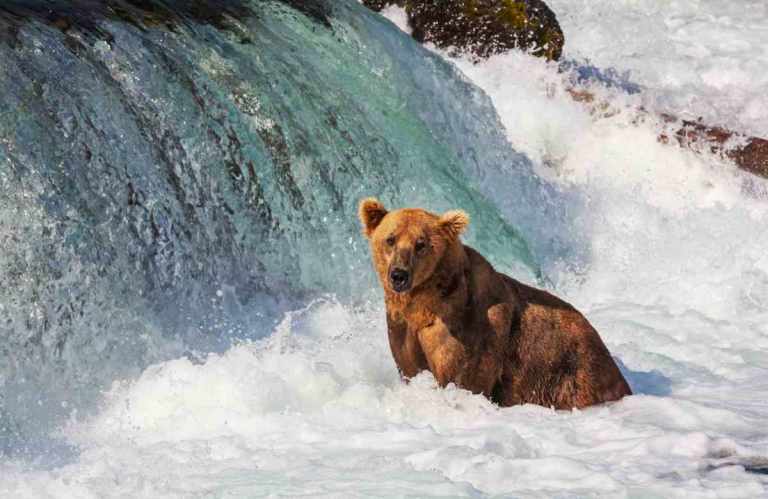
[450, 312]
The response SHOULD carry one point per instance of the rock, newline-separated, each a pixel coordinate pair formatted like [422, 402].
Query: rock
[747, 152]
[483, 27]
[378, 5]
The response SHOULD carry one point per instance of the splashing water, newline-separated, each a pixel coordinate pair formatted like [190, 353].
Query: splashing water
[168, 191]
[663, 251]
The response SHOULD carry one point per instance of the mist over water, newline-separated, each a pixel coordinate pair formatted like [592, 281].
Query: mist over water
[191, 308]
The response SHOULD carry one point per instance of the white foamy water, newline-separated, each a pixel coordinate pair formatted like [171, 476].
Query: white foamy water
[675, 279]
[693, 57]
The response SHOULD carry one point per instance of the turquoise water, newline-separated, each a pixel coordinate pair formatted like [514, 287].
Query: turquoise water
[170, 190]
[188, 308]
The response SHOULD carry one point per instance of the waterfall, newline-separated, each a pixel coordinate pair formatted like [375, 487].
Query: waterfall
[172, 178]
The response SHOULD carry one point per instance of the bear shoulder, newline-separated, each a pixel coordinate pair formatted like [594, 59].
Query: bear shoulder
[486, 284]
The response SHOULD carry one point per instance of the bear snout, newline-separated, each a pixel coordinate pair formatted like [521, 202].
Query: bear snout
[400, 279]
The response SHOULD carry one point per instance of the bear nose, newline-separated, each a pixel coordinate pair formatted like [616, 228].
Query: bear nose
[400, 279]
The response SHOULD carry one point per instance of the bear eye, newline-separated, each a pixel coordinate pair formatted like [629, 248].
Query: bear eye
[391, 240]
[420, 245]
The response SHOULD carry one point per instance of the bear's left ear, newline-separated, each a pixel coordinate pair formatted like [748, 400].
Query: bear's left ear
[454, 222]
[371, 213]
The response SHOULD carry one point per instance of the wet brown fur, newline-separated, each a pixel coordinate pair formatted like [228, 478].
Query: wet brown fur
[478, 328]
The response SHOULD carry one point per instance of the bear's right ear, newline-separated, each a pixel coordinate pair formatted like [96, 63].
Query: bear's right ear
[371, 213]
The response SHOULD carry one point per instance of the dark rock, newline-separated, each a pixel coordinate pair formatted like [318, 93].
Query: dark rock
[378, 5]
[483, 27]
[747, 152]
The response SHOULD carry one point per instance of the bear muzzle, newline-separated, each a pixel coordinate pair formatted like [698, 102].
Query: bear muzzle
[400, 280]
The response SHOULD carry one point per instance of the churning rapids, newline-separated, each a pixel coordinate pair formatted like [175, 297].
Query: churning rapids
[188, 309]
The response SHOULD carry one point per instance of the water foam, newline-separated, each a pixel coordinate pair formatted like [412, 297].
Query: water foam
[318, 409]
[675, 277]
[693, 58]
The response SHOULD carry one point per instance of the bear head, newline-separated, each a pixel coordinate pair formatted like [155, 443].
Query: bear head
[408, 244]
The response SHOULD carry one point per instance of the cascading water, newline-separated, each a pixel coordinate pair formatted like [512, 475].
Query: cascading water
[188, 309]
[170, 182]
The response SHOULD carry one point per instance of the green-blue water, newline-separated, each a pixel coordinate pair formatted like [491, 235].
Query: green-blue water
[167, 191]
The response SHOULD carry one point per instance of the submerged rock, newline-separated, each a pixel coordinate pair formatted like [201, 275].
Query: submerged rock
[483, 27]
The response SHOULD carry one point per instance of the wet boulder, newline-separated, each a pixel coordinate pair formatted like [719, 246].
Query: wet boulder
[483, 27]
[378, 5]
